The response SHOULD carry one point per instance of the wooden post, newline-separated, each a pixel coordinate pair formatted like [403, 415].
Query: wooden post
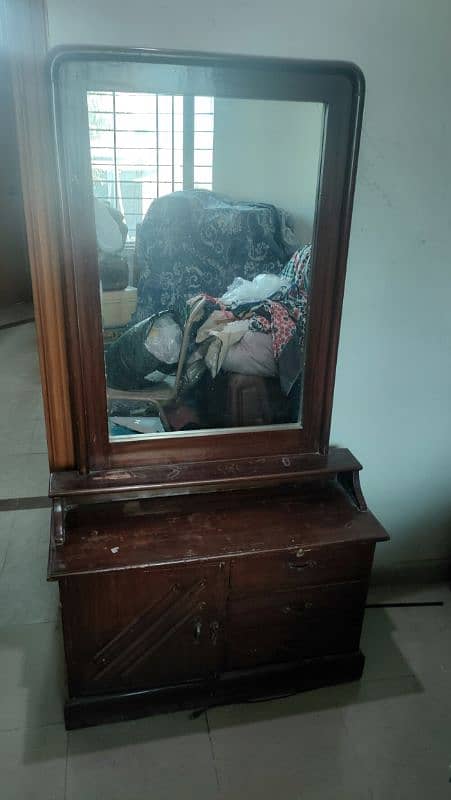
[25, 41]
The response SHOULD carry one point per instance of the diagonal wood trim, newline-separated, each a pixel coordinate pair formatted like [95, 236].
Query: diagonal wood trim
[157, 644]
[116, 647]
[147, 633]
[25, 33]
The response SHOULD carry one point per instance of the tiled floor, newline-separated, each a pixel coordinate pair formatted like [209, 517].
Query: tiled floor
[23, 459]
[385, 738]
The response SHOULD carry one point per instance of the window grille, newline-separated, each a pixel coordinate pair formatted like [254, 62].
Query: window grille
[145, 146]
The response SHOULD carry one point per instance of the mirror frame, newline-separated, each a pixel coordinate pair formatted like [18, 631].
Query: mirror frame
[340, 87]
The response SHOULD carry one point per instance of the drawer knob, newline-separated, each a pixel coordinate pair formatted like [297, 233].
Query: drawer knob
[299, 567]
[298, 611]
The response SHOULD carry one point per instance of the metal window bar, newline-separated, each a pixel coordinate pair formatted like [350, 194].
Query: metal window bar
[158, 147]
[116, 186]
[188, 170]
[173, 140]
[188, 142]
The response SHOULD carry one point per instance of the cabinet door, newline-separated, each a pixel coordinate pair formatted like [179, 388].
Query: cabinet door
[143, 628]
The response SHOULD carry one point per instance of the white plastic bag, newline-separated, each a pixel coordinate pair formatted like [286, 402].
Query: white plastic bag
[164, 339]
[243, 291]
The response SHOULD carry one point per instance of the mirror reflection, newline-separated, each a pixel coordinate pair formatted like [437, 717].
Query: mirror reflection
[204, 214]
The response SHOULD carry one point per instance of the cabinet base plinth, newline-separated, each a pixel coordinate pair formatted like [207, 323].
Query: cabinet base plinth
[233, 687]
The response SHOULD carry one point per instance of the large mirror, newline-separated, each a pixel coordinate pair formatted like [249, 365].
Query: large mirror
[203, 209]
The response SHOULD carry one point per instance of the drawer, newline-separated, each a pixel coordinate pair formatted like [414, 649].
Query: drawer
[291, 626]
[303, 566]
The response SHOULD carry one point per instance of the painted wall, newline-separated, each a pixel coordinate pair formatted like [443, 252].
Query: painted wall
[393, 388]
[269, 151]
[15, 280]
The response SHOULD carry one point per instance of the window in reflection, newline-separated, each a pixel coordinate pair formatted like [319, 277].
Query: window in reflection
[145, 146]
[204, 212]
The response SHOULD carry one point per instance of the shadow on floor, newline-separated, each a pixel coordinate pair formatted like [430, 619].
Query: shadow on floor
[375, 685]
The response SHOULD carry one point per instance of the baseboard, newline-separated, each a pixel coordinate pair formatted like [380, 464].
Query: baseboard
[406, 572]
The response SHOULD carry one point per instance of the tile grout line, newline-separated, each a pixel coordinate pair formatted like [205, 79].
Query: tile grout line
[212, 749]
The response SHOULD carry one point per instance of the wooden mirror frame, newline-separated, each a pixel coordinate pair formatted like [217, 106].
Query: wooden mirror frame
[340, 87]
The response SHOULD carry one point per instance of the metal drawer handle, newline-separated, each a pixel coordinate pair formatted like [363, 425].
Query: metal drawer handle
[197, 630]
[298, 567]
[299, 611]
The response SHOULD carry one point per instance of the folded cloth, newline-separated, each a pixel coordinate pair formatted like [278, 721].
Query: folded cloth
[222, 341]
[252, 355]
[214, 323]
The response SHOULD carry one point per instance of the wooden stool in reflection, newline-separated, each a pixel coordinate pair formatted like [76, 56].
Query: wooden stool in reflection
[165, 393]
[236, 401]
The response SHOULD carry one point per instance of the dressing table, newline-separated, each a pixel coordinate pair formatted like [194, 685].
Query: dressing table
[225, 554]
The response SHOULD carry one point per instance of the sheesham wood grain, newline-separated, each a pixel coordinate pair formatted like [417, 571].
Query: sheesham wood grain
[340, 86]
[24, 25]
[185, 476]
[159, 532]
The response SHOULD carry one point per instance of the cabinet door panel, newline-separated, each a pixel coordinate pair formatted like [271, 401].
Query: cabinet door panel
[142, 628]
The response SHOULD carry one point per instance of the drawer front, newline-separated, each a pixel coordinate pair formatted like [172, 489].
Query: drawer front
[291, 626]
[301, 567]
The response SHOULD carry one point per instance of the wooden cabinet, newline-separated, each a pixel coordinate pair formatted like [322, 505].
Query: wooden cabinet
[202, 565]
[186, 601]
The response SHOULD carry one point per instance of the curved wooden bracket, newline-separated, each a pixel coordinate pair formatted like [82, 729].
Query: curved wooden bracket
[350, 481]
[58, 522]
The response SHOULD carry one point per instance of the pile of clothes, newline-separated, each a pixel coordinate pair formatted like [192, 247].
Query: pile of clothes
[261, 336]
[255, 328]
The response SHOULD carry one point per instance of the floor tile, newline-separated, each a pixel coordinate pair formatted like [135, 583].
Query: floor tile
[6, 524]
[162, 758]
[24, 475]
[409, 640]
[23, 460]
[25, 594]
[402, 740]
[284, 749]
[31, 675]
[384, 657]
[21, 434]
[33, 764]
[39, 440]
[18, 352]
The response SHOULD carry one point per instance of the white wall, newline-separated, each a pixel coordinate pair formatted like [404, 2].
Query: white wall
[393, 388]
[268, 151]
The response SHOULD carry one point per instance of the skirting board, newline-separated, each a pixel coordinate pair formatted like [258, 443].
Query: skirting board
[410, 572]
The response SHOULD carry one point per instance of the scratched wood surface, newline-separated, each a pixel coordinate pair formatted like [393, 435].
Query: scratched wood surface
[124, 535]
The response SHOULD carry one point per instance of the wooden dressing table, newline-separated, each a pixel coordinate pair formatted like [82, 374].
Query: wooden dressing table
[215, 565]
